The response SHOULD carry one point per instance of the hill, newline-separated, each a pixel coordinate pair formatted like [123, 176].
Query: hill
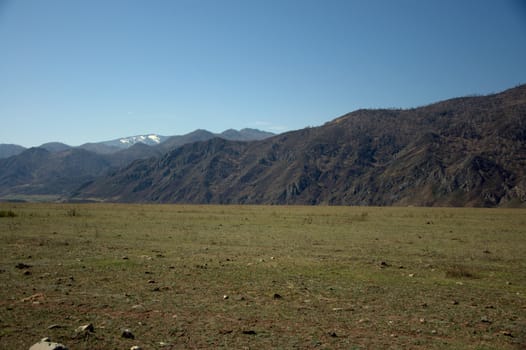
[468, 151]
[8, 150]
[53, 170]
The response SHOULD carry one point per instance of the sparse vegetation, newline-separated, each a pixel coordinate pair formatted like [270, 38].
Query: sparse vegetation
[7, 214]
[460, 271]
[72, 212]
[263, 277]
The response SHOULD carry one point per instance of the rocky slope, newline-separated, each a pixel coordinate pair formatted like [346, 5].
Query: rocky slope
[461, 152]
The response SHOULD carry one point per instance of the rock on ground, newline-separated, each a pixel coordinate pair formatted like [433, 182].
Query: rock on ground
[46, 344]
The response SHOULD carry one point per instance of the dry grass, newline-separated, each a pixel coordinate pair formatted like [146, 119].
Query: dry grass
[263, 277]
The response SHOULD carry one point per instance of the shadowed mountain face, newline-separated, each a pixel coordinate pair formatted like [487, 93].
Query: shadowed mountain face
[37, 171]
[55, 169]
[461, 152]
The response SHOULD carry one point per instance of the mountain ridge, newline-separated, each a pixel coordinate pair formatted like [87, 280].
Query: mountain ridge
[152, 139]
[54, 169]
[468, 151]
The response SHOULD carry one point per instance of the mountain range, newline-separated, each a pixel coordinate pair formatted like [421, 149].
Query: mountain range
[467, 151]
[54, 169]
[116, 145]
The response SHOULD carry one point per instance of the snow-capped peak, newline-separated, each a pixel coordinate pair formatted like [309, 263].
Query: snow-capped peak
[155, 138]
[150, 139]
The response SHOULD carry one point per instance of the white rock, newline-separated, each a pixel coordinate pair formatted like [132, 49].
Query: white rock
[46, 344]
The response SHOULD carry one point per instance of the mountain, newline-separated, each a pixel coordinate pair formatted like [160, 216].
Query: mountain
[244, 134]
[8, 150]
[125, 142]
[55, 169]
[37, 171]
[468, 151]
[165, 143]
[54, 147]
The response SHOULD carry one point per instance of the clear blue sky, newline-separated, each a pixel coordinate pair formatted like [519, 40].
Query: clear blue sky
[79, 71]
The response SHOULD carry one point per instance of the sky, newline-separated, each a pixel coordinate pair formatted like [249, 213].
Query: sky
[79, 71]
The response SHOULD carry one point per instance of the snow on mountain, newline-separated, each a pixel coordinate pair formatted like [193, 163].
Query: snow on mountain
[151, 139]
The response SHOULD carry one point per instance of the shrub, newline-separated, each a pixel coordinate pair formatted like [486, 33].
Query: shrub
[7, 214]
[459, 271]
[72, 212]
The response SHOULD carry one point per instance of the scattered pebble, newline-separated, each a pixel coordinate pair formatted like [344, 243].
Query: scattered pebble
[485, 319]
[127, 334]
[249, 332]
[87, 328]
[277, 296]
[22, 266]
[225, 297]
[135, 347]
[47, 344]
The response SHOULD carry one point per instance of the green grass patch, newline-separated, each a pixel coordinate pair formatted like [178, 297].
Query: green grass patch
[195, 276]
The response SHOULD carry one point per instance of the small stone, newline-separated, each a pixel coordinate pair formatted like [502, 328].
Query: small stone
[127, 334]
[333, 334]
[87, 328]
[54, 326]
[22, 266]
[411, 275]
[135, 347]
[151, 281]
[434, 331]
[47, 344]
[225, 297]
[27, 273]
[277, 296]
[337, 309]
[125, 258]
[485, 319]
[249, 332]
[384, 264]
[454, 302]
[506, 333]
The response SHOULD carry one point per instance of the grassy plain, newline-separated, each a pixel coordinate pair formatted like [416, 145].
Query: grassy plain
[246, 277]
